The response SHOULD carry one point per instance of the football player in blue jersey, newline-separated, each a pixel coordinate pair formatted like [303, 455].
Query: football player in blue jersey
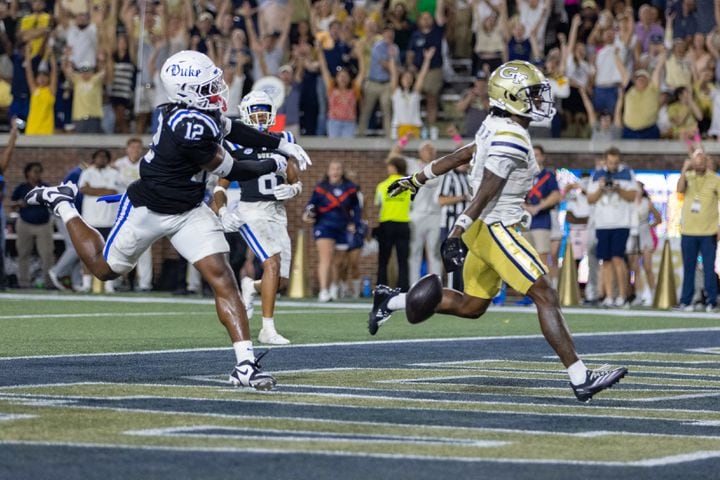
[260, 216]
[167, 200]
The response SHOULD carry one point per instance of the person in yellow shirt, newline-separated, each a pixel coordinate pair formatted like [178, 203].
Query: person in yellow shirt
[684, 114]
[87, 112]
[41, 115]
[394, 229]
[35, 26]
[642, 104]
[699, 227]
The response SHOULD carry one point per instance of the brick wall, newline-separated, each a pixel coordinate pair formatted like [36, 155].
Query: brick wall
[365, 166]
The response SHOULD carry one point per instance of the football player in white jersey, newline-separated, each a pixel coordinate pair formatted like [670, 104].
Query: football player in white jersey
[485, 241]
[261, 219]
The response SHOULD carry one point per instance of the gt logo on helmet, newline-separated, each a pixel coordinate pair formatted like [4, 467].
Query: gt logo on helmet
[511, 73]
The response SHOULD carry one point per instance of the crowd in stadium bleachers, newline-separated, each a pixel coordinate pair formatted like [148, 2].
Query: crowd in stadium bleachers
[620, 68]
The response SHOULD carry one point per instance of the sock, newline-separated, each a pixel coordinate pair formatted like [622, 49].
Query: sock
[66, 211]
[397, 302]
[268, 322]
[87, 281]
[577, 372]
[244, 351]
[356, 287]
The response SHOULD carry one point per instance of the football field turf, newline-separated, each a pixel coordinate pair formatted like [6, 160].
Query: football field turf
[130, 387]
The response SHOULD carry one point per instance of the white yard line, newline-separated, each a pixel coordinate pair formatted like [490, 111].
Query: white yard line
[97, 315]
[375, 342]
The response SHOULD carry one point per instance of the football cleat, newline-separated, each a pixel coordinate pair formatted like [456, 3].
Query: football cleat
[247, 288]
[598, 380]
[380, 312]
[271, 337]
[51, 197]
[248, 373]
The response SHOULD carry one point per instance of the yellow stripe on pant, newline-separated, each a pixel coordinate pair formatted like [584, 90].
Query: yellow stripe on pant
[495, 254]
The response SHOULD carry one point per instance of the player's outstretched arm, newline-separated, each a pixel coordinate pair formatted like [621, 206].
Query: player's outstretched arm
[224, 166]
[238, 132]
[435, 168]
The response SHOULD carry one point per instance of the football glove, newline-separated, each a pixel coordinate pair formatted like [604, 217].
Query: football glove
[296, 151]
[231, 222]
[287, 191]
[281, 163]
[409, 183]
[453, 251]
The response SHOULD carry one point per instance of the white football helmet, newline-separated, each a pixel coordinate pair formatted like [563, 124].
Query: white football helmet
[192, 79]
[257, 109]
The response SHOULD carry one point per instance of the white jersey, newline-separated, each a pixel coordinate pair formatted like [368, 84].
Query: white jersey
[129, 171]
[504, 148]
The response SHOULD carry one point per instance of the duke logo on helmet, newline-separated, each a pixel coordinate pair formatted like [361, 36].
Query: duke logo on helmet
[192, 79]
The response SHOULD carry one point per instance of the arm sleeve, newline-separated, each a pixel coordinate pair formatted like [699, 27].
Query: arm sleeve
[249, 137]
[250, 169]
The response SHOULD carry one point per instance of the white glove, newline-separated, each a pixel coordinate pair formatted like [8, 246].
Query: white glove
[287, 191]
[296, 151]
[231, 222]
[227, 124]
[280, 162]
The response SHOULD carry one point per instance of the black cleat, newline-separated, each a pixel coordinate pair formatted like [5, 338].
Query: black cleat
[597, 381]
[380, 313]
[51, 197]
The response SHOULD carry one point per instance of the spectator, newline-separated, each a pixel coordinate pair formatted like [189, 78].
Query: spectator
[34, 27]
[393, 230]
[33, 227]
[534, 15]
[650, 59]
[698, 55]
[122, 82]
[641, 245]
[490, 38]
[333, 207]
[87, 107]
[475, 104]
[640, 114]
[519, 46]
[646, 27]
[608, 71]
[678, 69]
[268, 48]
[238, 84]
[97, 180]
[41, 114]
[613, 189]
[684, 114]
[402, 25]
[429, 34]
[683, 18]
[69, 265]
[560, 87]
[703, 90]
[377, 85]
[424, 215]
[406, 90]
[343, 96]
[540, 201]
[4, 162]
[82, 39]
[605, 127]
[578, 70]
[290, 108]
[699, 227]
[577, 216]
[453, 196]
[128, 168]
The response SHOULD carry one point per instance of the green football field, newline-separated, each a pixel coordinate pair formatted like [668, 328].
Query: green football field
[136, 387]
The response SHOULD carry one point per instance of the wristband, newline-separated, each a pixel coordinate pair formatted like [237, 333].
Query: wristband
[427, 171]
[218, 189]
[464, 222]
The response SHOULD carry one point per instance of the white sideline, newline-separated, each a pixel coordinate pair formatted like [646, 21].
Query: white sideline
[343, 305]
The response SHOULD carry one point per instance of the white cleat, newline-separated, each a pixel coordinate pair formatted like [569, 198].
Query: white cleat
[271, 337]
[249, 374]
[247, 287]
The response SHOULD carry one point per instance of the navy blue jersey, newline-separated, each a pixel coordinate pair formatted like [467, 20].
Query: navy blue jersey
[172, 179]
[337, 205]
[259, 189]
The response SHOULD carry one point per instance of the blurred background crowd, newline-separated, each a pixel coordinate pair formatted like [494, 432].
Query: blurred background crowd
[618, 69]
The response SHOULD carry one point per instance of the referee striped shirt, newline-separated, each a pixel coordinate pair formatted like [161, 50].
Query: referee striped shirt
[453, 184]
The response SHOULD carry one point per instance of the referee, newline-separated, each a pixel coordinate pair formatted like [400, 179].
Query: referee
[453, 196]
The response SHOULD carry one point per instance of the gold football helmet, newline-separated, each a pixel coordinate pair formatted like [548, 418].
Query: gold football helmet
[519, 88]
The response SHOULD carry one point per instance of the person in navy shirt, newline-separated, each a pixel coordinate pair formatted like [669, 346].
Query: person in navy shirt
[336, 211]
[544, 195]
